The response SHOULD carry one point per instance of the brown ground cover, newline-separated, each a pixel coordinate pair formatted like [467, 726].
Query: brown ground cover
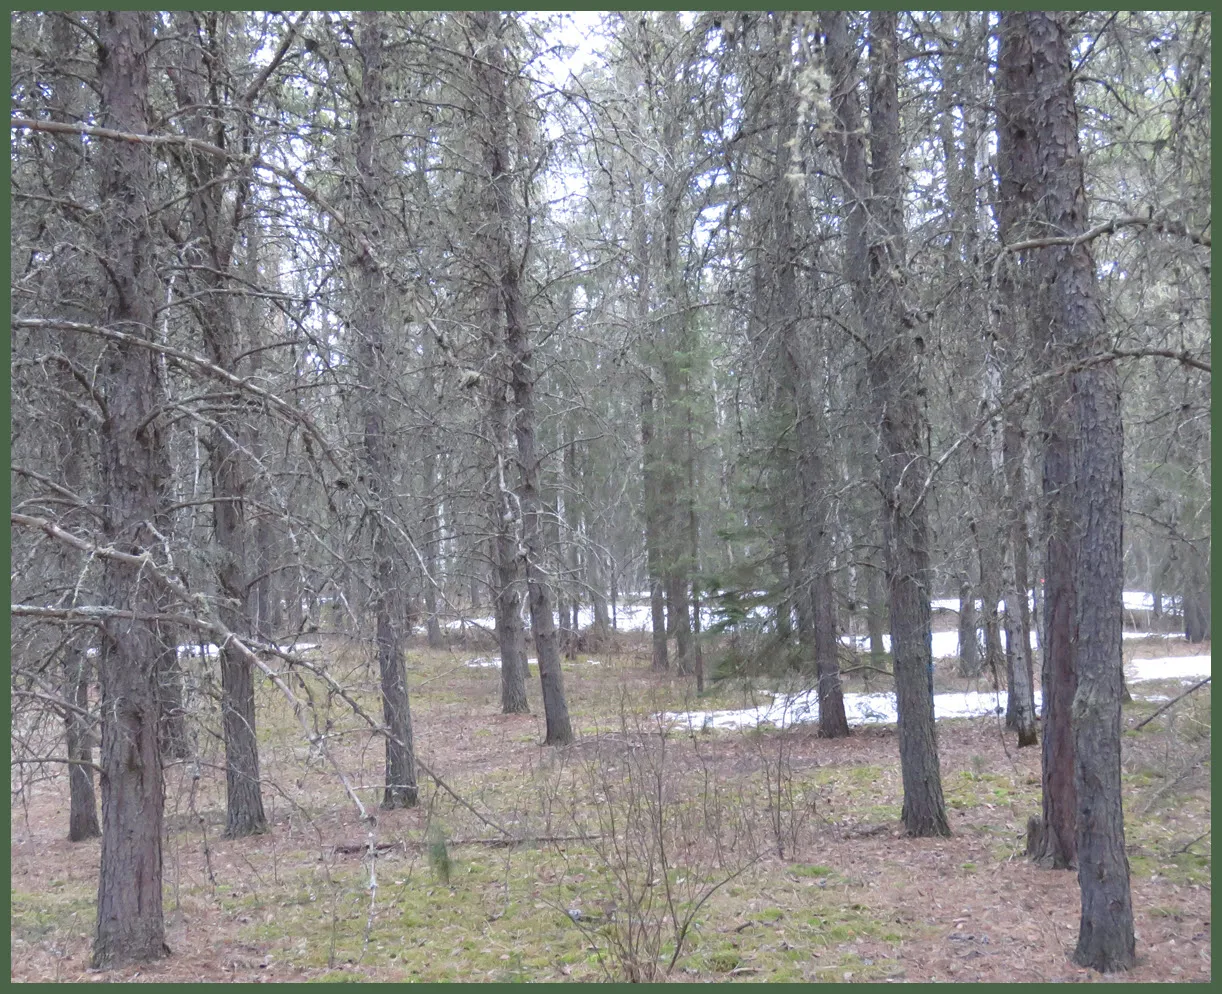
[836, 892]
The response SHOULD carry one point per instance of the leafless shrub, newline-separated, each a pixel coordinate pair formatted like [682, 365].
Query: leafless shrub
[666, 833]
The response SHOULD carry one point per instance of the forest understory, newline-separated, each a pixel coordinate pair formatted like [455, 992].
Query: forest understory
[790, 845]
[802, 351]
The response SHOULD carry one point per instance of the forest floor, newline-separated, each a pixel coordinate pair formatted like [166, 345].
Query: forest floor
[780, 855]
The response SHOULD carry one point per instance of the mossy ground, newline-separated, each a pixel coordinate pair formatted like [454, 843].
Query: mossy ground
[814, 879]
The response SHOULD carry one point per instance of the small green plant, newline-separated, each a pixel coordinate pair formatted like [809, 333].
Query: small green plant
[439, 855]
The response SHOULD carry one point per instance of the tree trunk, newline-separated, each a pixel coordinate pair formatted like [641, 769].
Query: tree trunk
[432, 512]
[75, 442]
[1016, 156]
[1037, 46]
[213, 236]
[507, 600]
[371, 319]
[1018, 607]
[677, 611]
[134, 469]
[894, 370]
[490, 72]
[82, 803]
[969, 644]
[876, 616]
[653, 535]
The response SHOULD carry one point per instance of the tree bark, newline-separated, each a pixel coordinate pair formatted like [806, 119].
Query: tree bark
[134, 469]
[1018, 193]
[82, 802]
[371, 319]
[969, 644]
[212, 237]
[894, 372]
[491, 75]
[1092, 503]
[75, 448]
[653, 534]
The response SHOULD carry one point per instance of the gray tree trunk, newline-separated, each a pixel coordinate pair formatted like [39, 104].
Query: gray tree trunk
[371, 319]
[875, 263]
[1018, 192]
[969, 645]
[134, 468]
[490, 74]
[1092, 505]
[75, 448]
[82, 802]
[212, 236]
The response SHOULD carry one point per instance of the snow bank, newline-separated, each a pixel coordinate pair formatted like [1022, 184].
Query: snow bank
[1169, 668]
[861, 709]
[872, 709]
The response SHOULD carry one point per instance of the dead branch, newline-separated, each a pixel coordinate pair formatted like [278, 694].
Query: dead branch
[1170, 703]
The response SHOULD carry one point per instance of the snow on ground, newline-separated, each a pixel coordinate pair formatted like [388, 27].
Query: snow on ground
[871, 709]
[945, 644]
[636, 616]
[1169, 668]
[861, 709]
[208, 650]
[494, 662]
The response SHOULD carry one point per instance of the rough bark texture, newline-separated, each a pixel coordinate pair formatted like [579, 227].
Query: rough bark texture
[211, 236]
[82, 802]
[371, 318]
[810, 584]
[1018, 607]
[894, 371]
[969, 644]
[134, 467]
[1017, 157]
[506, 525]
[653, 534]
[490, 72]
[75, 448]
[1093, 510]
[507, 602]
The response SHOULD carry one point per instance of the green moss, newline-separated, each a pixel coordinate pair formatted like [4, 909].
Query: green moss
[804, 870]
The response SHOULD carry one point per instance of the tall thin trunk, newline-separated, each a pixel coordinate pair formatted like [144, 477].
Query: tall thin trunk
[1105, 936]
[507, 599]
[969, 644]
[213, 237]
[653, 534]
[75, 449]
[1016, 156]
[371, 319]
[894, 372]
[432, 511]
[490, 72]
[134, 469]
[82, 802]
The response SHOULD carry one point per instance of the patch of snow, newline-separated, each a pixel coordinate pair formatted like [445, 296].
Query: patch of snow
[458, 623]
[860, 709]
[945, 644]
[194, 650]
[296, 647]
[485, 662]
[1169, 668]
